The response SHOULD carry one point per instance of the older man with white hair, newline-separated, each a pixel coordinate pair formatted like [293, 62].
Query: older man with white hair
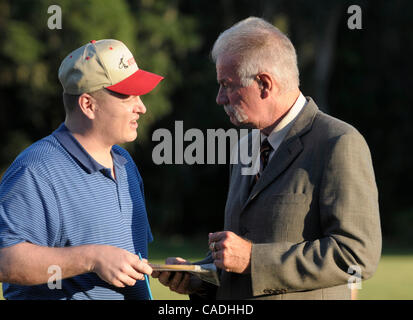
[310, 214]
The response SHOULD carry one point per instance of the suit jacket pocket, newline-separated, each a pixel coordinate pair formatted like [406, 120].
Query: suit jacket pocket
[271, 219]
[289, 212]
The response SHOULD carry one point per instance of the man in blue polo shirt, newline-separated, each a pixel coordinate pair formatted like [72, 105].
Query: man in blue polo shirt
[72, 204]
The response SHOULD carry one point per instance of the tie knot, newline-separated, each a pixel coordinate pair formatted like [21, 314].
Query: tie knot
[265, 146]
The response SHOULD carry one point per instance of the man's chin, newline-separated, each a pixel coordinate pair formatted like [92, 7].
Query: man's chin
[241, 125]
[131, 138]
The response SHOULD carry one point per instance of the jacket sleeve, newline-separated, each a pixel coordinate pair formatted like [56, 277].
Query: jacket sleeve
[350, 228]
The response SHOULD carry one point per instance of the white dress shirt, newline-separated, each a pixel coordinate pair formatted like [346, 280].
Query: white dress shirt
[277, 136]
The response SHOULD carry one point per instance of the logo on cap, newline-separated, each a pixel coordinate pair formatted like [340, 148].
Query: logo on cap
[123, 65]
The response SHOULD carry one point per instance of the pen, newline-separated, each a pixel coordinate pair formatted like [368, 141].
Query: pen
[146, 280]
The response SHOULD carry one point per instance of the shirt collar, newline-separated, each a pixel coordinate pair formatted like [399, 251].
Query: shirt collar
[285, 124]
[69, 142]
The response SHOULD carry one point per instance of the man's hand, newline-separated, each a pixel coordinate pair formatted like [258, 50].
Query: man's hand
[118, 267]
[230, 252]
[180, 282]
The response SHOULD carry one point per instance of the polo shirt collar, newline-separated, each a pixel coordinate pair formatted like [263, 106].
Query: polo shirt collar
[69, 142]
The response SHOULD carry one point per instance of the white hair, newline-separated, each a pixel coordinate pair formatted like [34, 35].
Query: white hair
[259, 47]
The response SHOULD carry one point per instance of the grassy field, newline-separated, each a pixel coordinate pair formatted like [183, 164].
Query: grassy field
[393, 279]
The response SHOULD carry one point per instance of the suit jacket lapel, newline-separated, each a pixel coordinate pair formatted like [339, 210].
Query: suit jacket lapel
[245, 188]
[289, 149]
[240, 186]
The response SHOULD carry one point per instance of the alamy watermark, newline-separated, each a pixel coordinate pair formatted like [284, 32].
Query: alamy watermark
[55, 281]
[354, 21]
[55, 20]
[244, 146]
[354, 282]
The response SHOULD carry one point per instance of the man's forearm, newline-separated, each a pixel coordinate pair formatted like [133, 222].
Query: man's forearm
[28, 264]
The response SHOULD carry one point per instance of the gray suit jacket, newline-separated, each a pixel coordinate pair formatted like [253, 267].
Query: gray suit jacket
[313, 214]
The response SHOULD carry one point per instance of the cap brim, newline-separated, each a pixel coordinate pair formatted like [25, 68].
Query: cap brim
[138, 84]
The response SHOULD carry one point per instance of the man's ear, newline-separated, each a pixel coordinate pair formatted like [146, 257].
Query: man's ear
[267, 84]
[87, 105]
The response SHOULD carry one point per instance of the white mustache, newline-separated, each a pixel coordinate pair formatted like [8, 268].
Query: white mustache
[235, 112]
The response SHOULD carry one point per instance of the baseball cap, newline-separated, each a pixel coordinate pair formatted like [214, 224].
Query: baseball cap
[106, 63]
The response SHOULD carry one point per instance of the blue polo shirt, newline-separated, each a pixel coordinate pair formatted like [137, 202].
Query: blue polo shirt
[55, 194]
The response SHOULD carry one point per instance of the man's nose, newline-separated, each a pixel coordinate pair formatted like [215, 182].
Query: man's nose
[139, 107]
[222, 98]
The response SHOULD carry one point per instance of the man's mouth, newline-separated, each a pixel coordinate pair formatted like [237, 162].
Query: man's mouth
[134, 124]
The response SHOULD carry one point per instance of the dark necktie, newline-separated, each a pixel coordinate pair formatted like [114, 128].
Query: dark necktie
[265, 151]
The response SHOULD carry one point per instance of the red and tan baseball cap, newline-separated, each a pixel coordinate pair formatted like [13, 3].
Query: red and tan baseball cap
[106, 64]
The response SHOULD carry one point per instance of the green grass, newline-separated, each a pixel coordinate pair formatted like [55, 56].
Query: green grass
[393, 279]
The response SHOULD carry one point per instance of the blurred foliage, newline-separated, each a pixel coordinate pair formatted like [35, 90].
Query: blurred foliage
[30, 53]
[360, 76]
